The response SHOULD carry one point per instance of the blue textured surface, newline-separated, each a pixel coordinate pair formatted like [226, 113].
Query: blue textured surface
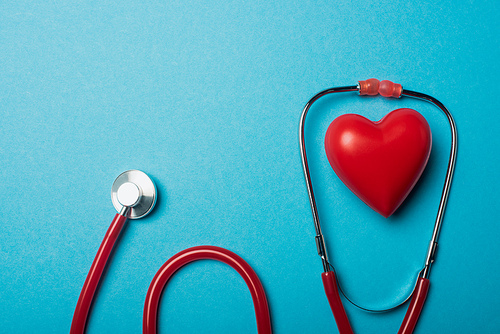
[205, 97]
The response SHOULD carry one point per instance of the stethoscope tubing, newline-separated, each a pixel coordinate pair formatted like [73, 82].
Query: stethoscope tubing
[150, 316]
[94, 275]
[169, 268]
[419, 293]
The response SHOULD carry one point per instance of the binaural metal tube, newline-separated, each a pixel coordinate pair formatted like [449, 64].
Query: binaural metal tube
[319, 235]
[449, 176]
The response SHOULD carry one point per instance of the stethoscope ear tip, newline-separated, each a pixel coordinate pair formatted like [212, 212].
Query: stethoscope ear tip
[134, 191]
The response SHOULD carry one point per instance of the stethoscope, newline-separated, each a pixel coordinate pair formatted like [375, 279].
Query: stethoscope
[331, 286]
[134, 195]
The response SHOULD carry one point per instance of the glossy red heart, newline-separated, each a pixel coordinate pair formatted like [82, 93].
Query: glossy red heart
[379, 161]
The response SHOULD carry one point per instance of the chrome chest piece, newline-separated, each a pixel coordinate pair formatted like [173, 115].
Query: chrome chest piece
[133, 194]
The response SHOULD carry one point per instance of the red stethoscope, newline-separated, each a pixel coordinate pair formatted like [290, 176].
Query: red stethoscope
[419, 293]
[134, 196]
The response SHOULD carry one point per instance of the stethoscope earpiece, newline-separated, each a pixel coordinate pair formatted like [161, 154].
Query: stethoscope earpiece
[133, 194]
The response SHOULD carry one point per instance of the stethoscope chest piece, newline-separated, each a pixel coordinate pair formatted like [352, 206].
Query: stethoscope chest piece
[135, 190]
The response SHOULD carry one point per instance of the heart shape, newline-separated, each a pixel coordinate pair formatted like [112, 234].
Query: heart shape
[380, 161]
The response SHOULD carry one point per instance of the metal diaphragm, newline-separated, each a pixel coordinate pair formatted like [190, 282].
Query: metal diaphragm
[140, 199]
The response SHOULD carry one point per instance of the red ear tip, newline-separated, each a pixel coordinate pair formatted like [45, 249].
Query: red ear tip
[369, 87]
[389, 89]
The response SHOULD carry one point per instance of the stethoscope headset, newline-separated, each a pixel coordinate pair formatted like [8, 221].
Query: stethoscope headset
[331, 286]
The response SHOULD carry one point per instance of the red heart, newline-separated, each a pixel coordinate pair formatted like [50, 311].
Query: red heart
[379, 161]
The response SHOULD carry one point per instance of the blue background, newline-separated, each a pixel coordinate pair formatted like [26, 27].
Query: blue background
[206, 97]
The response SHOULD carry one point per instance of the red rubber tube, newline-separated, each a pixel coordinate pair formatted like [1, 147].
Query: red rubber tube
[94, 275]
[200, 253]
[416, 305]
[332, 293]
